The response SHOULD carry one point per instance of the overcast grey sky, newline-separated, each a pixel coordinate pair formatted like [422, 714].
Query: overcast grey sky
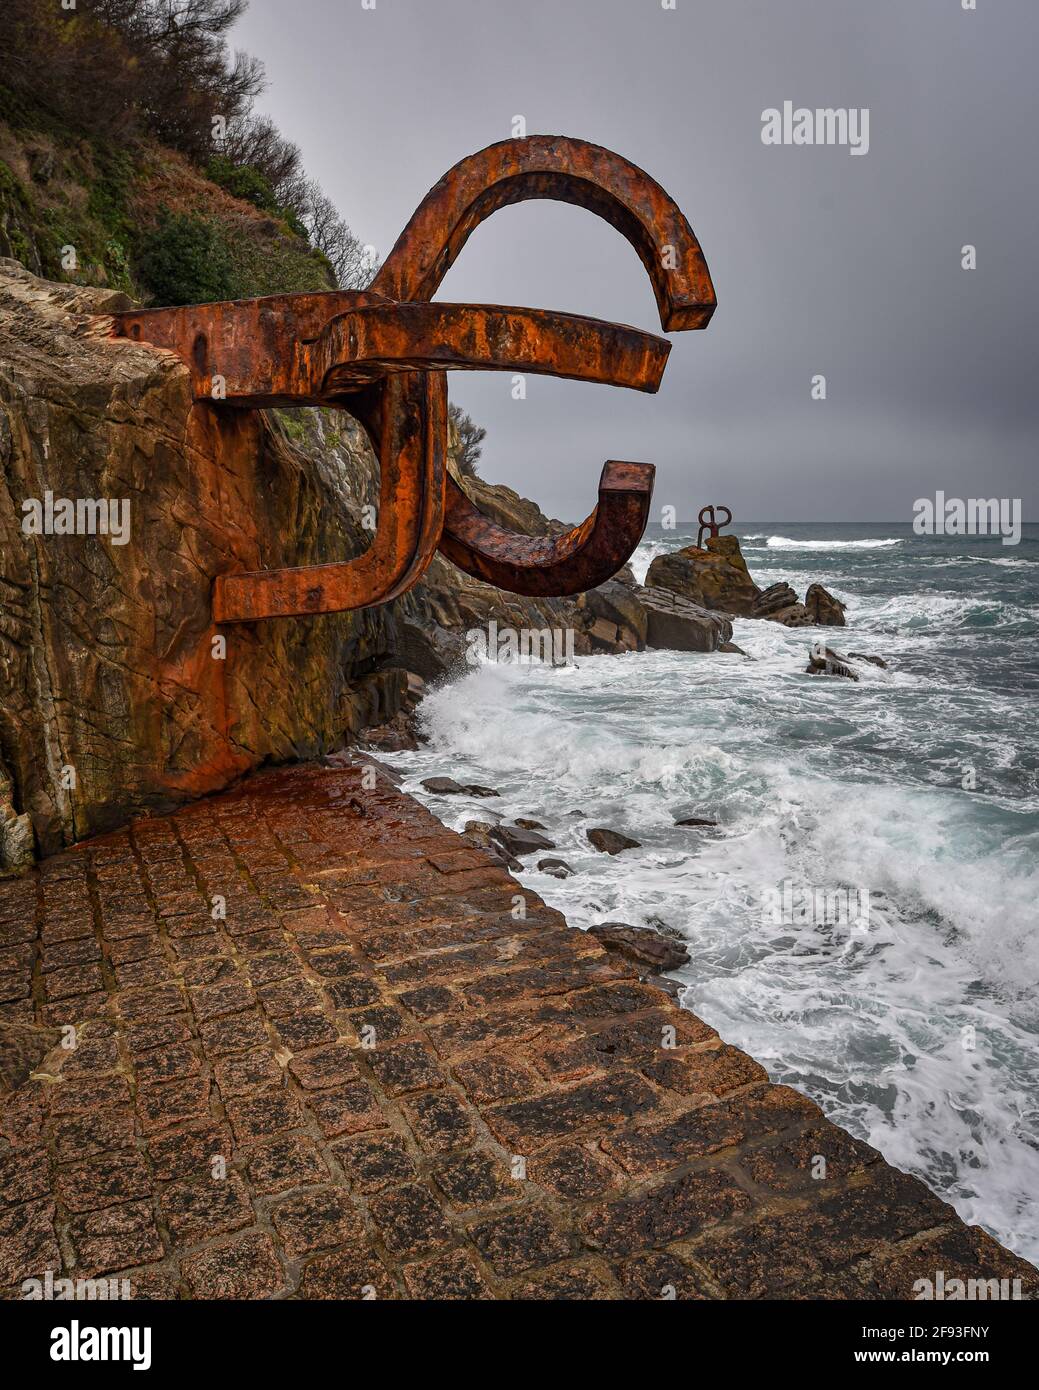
[823, 261]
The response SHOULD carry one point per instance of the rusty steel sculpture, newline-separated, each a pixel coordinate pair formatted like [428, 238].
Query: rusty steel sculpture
[709, 522]
[383, 354]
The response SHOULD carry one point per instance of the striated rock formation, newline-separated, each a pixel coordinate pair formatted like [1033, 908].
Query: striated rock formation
[822, 661]
[678, 625]
[780, 604]
[640, 945]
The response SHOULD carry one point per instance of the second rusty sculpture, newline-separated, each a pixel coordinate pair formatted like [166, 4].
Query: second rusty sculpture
[383, 354]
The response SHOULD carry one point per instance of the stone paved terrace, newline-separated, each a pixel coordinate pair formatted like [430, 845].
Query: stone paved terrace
[370, 1079]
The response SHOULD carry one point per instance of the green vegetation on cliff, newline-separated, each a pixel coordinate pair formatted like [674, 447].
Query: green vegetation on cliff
[129, 158]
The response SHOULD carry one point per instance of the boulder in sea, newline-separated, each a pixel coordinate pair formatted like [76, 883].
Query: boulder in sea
[824, 662]
[733, 648]
[557, 868]
[677, 625]
[640, 945]
[517, 842]
[873, 660]
[396, 736]
[695, 820]
[447, 786]
[478, 832]
[715, 577]
[611, 841]
[823, 609]
[780, 604]
[526, 824]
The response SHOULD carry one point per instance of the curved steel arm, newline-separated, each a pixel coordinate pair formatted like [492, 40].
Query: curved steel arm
[406, 416]
[570, 171]
[547, 566]
[365, 344]
[591, 177]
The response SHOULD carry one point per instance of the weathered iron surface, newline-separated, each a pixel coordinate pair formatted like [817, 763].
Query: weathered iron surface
[548, 566]
[383, 354]
[709, 522]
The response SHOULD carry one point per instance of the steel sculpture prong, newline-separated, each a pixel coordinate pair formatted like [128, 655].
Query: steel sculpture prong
[383, 354]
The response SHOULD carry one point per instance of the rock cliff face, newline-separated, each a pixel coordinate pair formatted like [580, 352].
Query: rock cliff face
[113, 695]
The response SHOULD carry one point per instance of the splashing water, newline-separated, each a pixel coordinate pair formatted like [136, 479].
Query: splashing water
[919, 1034]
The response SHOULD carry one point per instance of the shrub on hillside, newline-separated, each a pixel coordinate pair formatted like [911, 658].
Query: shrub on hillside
[243, 181]
[184, 260]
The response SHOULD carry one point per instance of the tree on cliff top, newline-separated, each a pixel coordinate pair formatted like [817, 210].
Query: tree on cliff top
[117, 70]
[470, 440]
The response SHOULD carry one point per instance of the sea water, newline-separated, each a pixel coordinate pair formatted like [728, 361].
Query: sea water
[918, 786]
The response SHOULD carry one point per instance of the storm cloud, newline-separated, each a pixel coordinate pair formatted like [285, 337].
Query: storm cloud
[824, 262]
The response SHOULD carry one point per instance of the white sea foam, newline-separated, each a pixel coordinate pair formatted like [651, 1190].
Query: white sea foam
[788, 543]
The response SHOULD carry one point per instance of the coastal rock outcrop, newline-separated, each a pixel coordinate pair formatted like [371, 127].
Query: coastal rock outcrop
[823, 609]
[610, 841]
[822, 661]
[716, 577]
[780, 604]
[516, 842]
[678, 625]
[642, 946]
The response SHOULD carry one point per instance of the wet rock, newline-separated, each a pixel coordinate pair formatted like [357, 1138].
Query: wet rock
[525, 824]
[383, 769]
[695, 820]
[823, 609]
[715, 577]
[640, 945]
[780, 604]
[557, 868]
[675, 624]
[396, 736]
[517, 842]
[873, 660]
[447, 786]
[611, 841]
[669, 987]
[620, 620]
[824, 662]
[732, 647]
[773, 599]
[416, 687]
[479, 832]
